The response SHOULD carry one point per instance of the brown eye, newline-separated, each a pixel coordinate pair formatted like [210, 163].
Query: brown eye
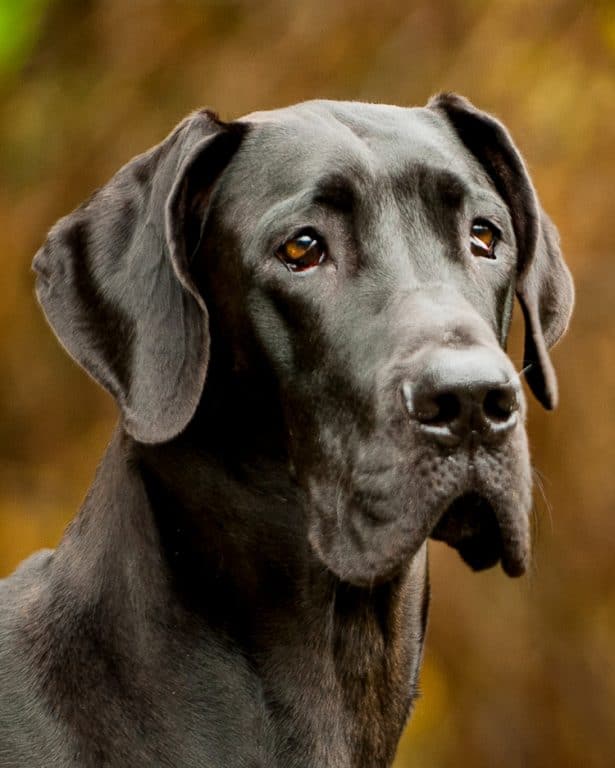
[302, 252]
[483, 239]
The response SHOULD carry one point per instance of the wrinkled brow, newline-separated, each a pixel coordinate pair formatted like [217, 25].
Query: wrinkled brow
[433, 185]
[337, 192]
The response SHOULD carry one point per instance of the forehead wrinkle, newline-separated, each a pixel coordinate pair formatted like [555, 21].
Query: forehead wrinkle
[338, 191]
[433, 185]
[319, 133]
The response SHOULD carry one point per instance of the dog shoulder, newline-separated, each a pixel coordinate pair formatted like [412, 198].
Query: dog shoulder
[27, 734]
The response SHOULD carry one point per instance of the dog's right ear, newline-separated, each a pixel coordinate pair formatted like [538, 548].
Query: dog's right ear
[114, 278]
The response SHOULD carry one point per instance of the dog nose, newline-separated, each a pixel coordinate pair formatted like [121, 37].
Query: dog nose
[464, 391]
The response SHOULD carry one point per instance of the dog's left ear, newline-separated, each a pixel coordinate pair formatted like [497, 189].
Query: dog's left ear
[114, 278]
[544, 285]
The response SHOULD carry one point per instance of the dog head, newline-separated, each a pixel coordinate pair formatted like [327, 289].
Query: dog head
[362, 261]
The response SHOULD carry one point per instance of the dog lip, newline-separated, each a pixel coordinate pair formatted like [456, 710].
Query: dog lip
[515, 565]
[475, 528]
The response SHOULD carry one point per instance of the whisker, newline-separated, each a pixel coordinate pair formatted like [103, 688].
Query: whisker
[535, 518]
[524, 370]
[540, 484]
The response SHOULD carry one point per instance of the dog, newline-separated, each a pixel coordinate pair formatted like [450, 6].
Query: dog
[302, 316]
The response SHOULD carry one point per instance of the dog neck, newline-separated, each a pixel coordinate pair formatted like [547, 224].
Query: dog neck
[170, 536]
[235, 537]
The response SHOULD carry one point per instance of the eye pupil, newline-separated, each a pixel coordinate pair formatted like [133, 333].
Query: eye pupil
[302, 252]
[483, 239]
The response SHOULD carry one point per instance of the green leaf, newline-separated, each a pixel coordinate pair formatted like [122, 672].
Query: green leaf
[20, 22]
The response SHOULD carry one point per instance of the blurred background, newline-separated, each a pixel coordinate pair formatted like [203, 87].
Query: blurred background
[517, 673]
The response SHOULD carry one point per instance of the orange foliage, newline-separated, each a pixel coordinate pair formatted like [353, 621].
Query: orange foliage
[516, 673]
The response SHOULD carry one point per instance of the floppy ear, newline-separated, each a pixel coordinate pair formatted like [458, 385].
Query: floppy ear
[114, 282]
[544, 286]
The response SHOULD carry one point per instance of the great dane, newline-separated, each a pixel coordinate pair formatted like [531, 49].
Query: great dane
[302, 316]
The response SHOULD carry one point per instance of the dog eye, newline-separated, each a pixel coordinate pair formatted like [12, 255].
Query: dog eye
[483, 239]
[302, 252]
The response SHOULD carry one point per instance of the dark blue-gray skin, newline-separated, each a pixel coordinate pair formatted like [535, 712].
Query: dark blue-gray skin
[302, 316]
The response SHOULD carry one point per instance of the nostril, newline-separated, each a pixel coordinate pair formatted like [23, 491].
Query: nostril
[500, 403]
[463, 394]
[439, 410]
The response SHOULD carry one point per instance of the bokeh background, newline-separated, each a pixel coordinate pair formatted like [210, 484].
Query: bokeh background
[517, 673]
